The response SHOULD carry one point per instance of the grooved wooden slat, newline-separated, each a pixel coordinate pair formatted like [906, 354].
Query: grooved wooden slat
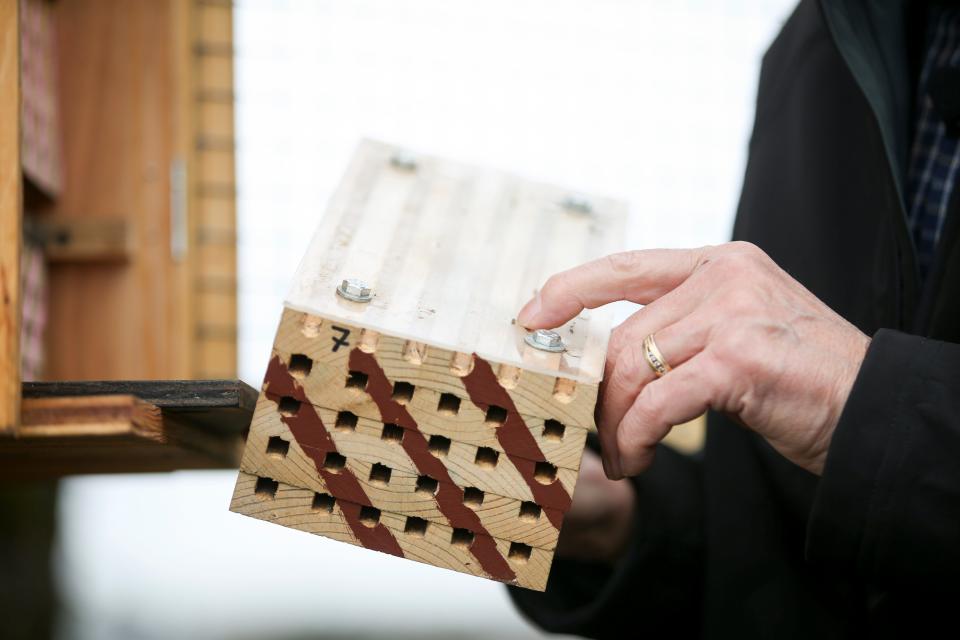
[92, 432]
[292, 507]
[212, 176]
[500, 513]
[534, 393]
[325, 387]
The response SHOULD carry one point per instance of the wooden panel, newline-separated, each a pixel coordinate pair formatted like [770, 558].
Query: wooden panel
[215, 71]
[116, 90]
[10, 216]
[216, 118]
[217, 352]
[216, 167]
[190, 425]
[219, 261]
[215, 22]
[224, 406]
[451, 253]
[212, 205]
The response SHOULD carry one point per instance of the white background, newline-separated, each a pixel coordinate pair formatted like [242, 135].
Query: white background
[648, 101]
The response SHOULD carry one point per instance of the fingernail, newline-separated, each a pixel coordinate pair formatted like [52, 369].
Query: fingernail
[611, 468]
[530, 311]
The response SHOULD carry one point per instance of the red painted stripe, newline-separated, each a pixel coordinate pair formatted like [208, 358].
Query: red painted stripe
[449, 496]
[515, 438]
[314, 439]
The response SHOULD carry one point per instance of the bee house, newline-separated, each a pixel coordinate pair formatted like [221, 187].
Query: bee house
[403, 409]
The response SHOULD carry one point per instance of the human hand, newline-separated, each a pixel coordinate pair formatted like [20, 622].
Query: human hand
[742, 336]
[598, 525]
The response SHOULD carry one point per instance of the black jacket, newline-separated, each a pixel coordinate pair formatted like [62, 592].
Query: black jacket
[739, 542]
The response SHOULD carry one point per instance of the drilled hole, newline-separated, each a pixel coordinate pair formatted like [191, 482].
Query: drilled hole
[553, 430]
[426, 484]
[486, 458]
[414, 352]
[357, 380]
[449, 404]
[334, 462]
[402, 392]
[288, 406]
[369, 340]
[461, 364]
[508, 376]
[266, 488]
[300, 365]
[529, 511]
[462, 538]
[277, 447]
[392, 432]
[564, 390]
[416, 526]
[346, 421]
[310, 326]
[544, 473]
[439, 446]
[369, 516]
[519, 552]
[323, 502]
[496, 415]
[380, 474]
[472, 497]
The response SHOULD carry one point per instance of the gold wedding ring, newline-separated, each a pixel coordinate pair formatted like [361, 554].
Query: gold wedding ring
[654, 358]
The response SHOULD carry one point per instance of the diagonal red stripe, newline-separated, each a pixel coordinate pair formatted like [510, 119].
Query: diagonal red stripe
[515, 438]
[449, 496]
[309, 431]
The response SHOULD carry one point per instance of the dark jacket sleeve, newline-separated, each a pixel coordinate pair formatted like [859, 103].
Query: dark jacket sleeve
[659, 579]
[887, 508]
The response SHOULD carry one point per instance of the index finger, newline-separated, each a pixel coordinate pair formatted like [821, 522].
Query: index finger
[638, 276]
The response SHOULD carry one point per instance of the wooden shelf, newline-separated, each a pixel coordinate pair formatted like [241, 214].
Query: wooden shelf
[72, 428]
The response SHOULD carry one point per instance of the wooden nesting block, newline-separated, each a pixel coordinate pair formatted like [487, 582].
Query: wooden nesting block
[421, 422]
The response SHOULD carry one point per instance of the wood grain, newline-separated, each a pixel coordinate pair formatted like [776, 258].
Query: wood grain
[11, 217]
[325, 387]
[452, 252]
[209, 154]
[116, 90]
[292, 506]
[535, 394]
[134, 93]
[220, 406]
[120, 433]
[500, 509]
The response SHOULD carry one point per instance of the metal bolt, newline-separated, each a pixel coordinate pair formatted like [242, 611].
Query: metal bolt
[403, 160]
[355, 290]
[577, 204]
[545, 340]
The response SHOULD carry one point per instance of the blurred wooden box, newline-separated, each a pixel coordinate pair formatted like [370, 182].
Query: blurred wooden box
[107, 171]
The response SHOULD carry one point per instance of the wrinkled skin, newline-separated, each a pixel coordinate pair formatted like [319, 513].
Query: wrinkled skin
[742, 336]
